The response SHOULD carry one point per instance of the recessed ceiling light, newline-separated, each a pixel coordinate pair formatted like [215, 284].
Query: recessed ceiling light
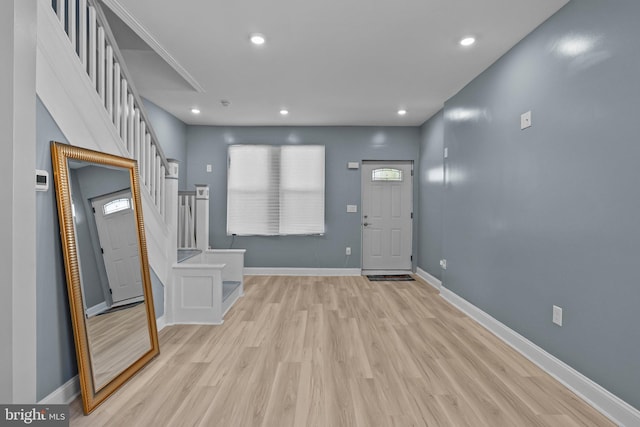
[257, 39]
[467, 41]
[195, 110]
[402, 112]
[284, 112]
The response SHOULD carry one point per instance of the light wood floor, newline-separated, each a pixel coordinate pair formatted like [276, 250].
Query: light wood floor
[116, 341]
[339, 351]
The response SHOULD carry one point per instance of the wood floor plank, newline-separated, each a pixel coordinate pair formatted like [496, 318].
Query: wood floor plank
[334, 352]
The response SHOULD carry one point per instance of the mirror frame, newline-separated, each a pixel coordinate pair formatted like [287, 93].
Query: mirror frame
[60, 154]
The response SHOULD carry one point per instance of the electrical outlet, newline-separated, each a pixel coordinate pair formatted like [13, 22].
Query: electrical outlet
[557, 315]
[209, 168]
[347, 251]
[443, 264]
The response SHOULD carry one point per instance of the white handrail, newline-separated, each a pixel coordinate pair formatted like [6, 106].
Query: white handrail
[91, 38]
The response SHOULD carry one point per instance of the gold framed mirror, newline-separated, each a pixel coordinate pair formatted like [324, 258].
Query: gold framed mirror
[107, 269]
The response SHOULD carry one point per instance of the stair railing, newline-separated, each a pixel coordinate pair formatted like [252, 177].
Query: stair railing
[92, 40]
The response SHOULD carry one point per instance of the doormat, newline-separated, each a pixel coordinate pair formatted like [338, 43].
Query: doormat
[390, 278]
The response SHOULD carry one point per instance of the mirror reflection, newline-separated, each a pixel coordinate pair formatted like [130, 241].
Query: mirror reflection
[109, 261]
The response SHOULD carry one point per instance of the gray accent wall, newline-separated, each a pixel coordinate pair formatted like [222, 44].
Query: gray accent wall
[550, 215]
[208, 145]
[56, 355]
[172, 136]
[431, 185]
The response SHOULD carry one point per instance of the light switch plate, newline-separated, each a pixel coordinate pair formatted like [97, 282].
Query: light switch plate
[557, 315]
[525, 120]
[352, 208]
[353, 165]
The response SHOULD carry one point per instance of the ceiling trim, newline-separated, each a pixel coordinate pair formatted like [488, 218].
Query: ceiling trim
[148, 38]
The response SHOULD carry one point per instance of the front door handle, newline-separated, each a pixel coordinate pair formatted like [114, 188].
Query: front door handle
[365, 224]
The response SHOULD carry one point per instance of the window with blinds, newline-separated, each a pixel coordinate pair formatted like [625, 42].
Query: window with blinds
[275, 190]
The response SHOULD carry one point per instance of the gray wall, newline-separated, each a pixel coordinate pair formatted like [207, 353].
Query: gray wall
[431, 180]
[208, 145]
[172, 135]
[56, 356]
[550, 215]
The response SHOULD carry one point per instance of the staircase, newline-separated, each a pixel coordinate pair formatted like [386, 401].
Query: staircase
[83, 81]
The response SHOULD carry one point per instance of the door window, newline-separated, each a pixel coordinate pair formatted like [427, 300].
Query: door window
[386, 174]
[116, 206]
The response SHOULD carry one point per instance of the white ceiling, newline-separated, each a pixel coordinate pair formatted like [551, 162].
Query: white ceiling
[329, 62]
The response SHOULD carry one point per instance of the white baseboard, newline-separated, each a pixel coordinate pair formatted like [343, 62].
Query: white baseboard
[431, 280]
[64, 394]
[291, 271]
[97, 309]
[601, 399]
[161, 322]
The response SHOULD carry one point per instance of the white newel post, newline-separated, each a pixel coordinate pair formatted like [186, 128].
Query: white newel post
[171, 218]
[202, 217]
[171, 209]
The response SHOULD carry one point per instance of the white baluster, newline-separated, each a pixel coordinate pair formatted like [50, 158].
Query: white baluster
[101, 64]
[130, 125]
[163, 180]
[62, 15]
[109, 79]
[123, 110]
[192, 225]
[82, 32]
[117, 108]
[152, 184]
[185, 223]
[92, 44]
[178, 228]
[136, 135]
[143, 146]
[147, 162]
[179, 221]
[157, 183]
[71, 22]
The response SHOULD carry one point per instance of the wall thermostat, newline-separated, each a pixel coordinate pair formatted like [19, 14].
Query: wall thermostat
[42, 180]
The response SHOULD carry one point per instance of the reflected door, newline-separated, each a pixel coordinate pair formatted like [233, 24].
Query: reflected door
[387, 211]
[119, 243]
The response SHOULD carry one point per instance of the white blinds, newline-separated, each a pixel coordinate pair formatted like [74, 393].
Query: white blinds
[275, 190]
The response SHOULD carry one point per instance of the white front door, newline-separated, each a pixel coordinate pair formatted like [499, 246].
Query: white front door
[387, 216]
[118, 236]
